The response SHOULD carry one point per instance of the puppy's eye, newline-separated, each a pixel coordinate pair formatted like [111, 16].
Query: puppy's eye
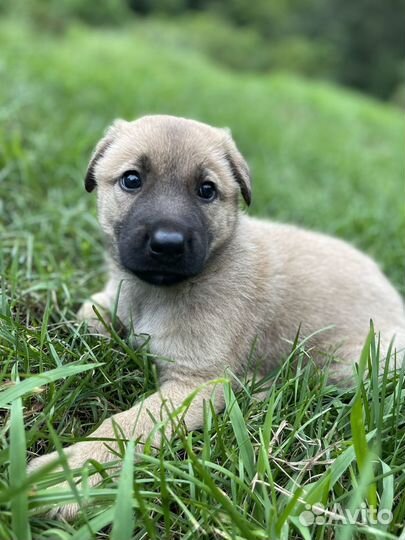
[130, 180]
[207, 191]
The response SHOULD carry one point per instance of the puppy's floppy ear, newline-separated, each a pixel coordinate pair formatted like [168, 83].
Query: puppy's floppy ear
[239, 167]
[90, 180]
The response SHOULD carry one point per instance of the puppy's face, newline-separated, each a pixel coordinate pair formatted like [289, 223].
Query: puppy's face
[168, 191]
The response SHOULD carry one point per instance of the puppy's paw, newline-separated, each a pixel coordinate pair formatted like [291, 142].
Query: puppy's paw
[100, 302]
[77, 455]
[67, 512]
[87, 314]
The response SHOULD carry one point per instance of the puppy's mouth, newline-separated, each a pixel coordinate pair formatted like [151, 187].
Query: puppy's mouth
[160, 278]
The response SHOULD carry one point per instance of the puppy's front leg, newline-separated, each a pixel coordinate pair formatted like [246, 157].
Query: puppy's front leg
[104, 302]
[167, 407]
[164, 407]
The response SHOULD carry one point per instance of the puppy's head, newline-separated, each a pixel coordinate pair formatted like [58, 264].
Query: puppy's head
[168, 191]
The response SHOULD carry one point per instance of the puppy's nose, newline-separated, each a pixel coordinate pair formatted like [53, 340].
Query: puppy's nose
[167, 243]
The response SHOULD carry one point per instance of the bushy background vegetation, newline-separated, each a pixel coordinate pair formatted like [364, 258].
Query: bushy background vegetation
[321, 156]
[359, 44]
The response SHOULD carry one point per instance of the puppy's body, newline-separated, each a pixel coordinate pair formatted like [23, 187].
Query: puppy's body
[208, 283]
[269, 280]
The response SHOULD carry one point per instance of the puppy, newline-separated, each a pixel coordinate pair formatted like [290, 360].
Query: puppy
[206, 281]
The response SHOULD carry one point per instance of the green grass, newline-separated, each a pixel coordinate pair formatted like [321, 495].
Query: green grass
[321, 157]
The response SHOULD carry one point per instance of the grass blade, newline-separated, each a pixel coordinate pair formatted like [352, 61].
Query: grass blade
[18, 472]
[363, 455]
[123, 524]
[29, 385]
[387, 496]
[241, 433]
[94, 525]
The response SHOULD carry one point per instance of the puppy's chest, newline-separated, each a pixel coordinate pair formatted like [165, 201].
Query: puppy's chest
[170, 331]
[159, 322]
[182, 331]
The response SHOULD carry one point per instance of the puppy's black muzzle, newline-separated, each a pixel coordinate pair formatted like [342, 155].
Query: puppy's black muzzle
[163, 251]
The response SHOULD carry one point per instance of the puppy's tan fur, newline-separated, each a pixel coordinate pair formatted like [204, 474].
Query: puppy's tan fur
[260, 282]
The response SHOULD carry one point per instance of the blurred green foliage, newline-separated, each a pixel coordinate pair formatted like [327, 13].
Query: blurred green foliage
[320, 156]
[359, 43]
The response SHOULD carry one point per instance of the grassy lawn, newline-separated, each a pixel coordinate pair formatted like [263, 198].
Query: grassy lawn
[321, 157]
